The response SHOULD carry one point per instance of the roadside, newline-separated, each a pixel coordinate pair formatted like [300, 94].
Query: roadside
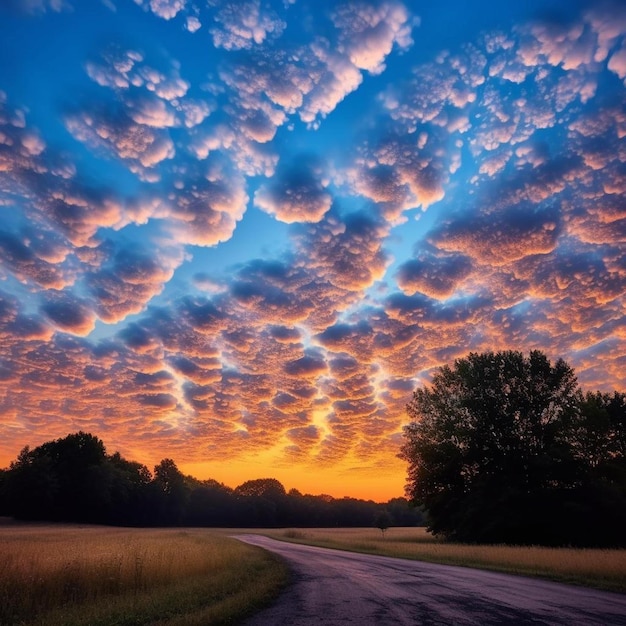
[595, 568]
[338, 587]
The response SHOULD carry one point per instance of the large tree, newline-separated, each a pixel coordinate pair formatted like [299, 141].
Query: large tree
[65, 479]
[496, 450]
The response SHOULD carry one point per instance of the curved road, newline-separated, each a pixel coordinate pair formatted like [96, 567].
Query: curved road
[336, 587]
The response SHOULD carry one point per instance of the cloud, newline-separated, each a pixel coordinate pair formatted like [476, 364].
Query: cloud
[129, 281]
[151, 112]
[202, 371]
[16, 326]
[501, 238]
[193, 24]
[140, 146]
[310, 366]
[435, 275]
[368, 32]
[160, 401]
[333, 80]
[37, 257]
[286, 335]
[346, 253]
[69, 314]
[150, 96]
[116, 69]
[205, 211]
[241, 25]
[249, 156]
[139, 338]
[296, 194]
[45, 185]
[313, 78]
[509, 149]
[165, 9]
[400, 171]
[304, 436]
[271, 292]
[204, 315]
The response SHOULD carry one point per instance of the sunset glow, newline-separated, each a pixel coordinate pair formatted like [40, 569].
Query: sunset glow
[239, 234]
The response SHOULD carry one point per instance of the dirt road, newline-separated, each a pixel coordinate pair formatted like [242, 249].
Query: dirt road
[335, 587]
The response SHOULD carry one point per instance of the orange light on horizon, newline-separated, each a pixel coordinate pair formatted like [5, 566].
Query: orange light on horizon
[337, 481]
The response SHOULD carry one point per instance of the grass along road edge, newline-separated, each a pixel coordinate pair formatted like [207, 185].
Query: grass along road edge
[589, 567]
[72, 575]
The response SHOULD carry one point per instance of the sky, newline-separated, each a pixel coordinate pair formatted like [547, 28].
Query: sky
[240, 234]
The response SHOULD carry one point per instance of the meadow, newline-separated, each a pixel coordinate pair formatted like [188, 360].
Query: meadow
[68, 575]
[600, 568]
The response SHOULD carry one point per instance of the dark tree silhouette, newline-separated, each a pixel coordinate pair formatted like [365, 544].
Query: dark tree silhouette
[211, 504]
[63, 479]
[383, 521]
[498, 451]
[171, 492]
[31, 486]
[73, 479]
[269, 488]
[129, 492]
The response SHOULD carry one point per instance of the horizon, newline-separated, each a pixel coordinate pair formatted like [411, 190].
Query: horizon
[241, 234]
[231, 483]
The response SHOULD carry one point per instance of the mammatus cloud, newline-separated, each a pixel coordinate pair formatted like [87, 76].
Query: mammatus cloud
[241, 25]
[166, 9]
[313, 79]
[434, 275]
[368, 32]
[69, 314]
[139, 145]
[154, 313]
[296, 195]
[131, 278]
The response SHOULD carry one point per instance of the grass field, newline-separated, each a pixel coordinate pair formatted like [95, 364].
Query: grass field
[70, 575]
[64, 575]
[603, 569]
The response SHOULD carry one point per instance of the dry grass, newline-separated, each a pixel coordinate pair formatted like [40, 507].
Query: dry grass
[604, 569]
[67, 575]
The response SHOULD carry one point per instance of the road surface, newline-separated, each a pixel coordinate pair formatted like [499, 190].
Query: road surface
[336, 587]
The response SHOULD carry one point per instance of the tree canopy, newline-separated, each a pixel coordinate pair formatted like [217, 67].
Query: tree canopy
[73, 479]
[506, 448]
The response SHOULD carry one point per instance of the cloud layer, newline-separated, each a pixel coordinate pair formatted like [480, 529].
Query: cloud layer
[258, 245]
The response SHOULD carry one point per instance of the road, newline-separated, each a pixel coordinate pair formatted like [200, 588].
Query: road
[335, 587]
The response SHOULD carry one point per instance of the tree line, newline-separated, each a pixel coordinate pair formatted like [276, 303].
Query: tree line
[504, 448]
[73, 479]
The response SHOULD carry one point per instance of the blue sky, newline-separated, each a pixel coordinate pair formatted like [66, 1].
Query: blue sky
[239, 234]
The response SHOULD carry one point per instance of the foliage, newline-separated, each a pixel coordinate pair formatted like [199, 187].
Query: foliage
[503, 448]
[73, 479]
[269, 488]
[382, 521]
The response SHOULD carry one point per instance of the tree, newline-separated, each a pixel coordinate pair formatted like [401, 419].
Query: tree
[403, 514]
[382, 521]
[171, 492]
[602, 443]
[31, 485]
[262, 501]
[210, 504]
[492, 449]
[129, 492]
[603, 436]
[65, 479]
[269, 488]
